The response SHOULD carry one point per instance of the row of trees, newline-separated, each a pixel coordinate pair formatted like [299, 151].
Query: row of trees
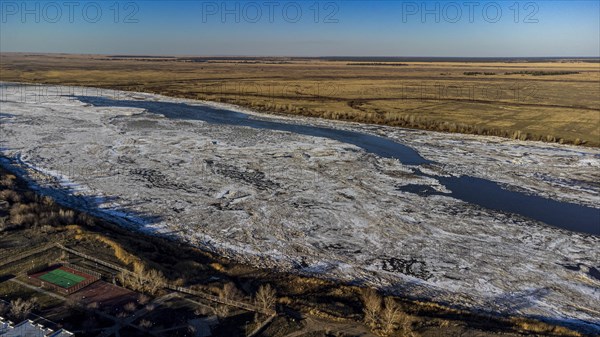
[28, 209]
[265, 298]
[384, 316]
[149, 281]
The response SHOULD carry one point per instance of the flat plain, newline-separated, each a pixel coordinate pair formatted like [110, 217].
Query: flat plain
[535, 99]
[214, 195]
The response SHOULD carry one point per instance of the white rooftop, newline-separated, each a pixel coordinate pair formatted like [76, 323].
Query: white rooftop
[29, 329]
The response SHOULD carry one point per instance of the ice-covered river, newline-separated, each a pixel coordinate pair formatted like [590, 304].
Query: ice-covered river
[477, 191]
[479, 222]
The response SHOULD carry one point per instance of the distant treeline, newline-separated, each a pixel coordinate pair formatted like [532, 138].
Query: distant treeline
[525, 72]
[542, 73]
[252, 62]
[156, 59]
[377, 64]
[201, 59]
[473, 73]
[193, 60]
[456, 59]
[367, 59]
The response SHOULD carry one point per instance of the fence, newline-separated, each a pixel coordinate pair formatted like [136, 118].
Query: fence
[58, 289]
[101, 262]
[81, 285]
[213, 298]
[43, 284]
[83, 270]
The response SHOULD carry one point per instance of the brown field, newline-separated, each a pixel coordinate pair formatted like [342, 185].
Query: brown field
[556, 101]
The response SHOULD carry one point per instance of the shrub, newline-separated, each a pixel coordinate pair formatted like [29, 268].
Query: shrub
[221, 310]
[146, 324]
[8, 181]
[130, 307]
[10, 196]
[143, 299]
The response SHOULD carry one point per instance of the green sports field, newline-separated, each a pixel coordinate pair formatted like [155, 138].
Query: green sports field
[62, 278]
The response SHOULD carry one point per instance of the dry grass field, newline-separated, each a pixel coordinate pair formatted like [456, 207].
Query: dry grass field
[556, 101]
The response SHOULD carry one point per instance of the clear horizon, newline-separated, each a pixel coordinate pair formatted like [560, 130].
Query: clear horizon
[481, 29]
[309, 57]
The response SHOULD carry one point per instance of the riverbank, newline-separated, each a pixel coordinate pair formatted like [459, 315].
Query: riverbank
[290, 201]
[505, 98]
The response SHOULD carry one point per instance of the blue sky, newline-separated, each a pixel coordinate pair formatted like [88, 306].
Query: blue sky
[304, 28]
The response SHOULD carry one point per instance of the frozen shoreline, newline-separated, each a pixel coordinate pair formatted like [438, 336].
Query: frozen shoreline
[295, 202]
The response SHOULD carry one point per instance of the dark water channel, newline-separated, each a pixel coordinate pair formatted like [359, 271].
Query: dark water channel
[477, 191]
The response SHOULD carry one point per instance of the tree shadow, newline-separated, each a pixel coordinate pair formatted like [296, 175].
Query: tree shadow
[490, 314]
[91, 204]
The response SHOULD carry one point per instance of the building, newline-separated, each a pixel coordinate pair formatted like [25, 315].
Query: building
[29, 329]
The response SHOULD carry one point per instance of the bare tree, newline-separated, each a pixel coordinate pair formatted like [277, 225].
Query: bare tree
[93, 306]
[393, 318]
[71, 303]
[3, 223]
[192, 329]
[137, 278]
[405, 324]
[143, 299]
[19, 308]
[201, 311]
[265, 297]
[64, 256]
[230, 292]
[130, 307]
[149, 281]
[372, 306]
[155, 281]
[127, 281]
[221, 310]
[8, 181]
[146, 324]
